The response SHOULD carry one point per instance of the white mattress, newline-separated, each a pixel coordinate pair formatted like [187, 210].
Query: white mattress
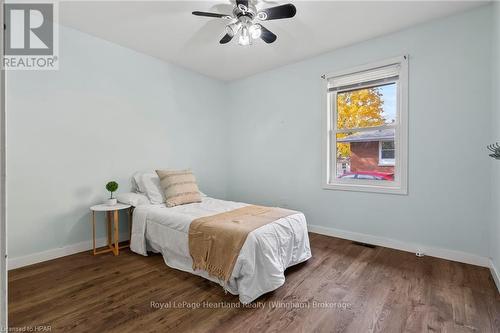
[260, 267]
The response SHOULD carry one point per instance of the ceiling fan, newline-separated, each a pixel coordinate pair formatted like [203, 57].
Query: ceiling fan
[242, 21]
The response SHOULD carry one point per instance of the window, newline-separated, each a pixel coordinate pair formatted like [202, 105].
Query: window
[386, 153]
[365, 128]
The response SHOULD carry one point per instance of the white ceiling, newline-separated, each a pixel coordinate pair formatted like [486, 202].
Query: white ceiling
[167, 29]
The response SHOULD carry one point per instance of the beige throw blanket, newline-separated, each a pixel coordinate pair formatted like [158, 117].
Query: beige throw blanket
[215, 241]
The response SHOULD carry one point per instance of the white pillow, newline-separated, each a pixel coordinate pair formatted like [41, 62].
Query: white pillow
[135, 182]
[133, 199]
[150, 183]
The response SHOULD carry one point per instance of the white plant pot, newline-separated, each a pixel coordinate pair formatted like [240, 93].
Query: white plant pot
[111, 202]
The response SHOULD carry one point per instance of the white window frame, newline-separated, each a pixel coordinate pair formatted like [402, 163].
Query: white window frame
[385, 161]
[329, 131]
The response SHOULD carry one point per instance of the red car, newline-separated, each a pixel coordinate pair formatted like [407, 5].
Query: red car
[373, 175]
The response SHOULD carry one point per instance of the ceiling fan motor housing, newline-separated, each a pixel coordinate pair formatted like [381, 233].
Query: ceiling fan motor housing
[242, 10]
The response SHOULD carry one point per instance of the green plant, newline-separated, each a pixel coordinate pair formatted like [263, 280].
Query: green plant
[111, 187]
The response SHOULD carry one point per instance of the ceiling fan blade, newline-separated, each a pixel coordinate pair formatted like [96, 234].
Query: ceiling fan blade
[210, 14]
[267, 36]
[278, 12]
[226, 39]
[242, 2]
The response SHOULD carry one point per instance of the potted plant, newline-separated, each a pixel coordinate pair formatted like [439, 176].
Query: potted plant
[111, 187]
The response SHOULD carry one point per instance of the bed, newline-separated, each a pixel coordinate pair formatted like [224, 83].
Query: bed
[260, 266]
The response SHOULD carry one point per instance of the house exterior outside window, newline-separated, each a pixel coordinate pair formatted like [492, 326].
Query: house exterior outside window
[367, 152]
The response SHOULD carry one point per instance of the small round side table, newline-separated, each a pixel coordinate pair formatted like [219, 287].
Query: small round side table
[111, 212]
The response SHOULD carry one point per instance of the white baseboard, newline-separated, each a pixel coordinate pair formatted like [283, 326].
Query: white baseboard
[17, 262]
[452, 255]
[496, 274]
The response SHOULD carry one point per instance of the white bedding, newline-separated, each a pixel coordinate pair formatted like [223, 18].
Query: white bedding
[260, 267]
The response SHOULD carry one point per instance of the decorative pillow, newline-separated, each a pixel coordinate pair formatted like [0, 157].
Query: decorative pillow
[133, 199]
[179, 187]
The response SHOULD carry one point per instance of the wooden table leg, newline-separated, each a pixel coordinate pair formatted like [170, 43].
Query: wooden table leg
[108, 220]
[116, 233]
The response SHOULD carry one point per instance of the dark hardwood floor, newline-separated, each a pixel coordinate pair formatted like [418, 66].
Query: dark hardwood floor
[364, 290]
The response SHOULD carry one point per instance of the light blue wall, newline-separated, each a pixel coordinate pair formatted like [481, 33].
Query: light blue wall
[107, 112]
[110, 111]
[495, 227]
[275, 135]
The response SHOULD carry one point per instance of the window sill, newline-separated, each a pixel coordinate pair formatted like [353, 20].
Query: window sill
[388, 189]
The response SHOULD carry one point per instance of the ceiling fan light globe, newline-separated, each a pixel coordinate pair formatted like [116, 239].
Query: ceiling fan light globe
[255, 31]
[244, 37]
[233, 28]
[244, 41]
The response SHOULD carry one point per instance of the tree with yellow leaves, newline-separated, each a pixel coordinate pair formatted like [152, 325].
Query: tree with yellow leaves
[358, 108]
